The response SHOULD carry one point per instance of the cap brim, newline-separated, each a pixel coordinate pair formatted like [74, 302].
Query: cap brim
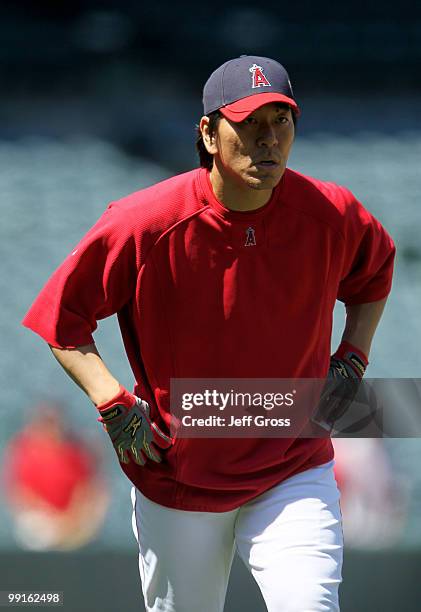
[238, 111]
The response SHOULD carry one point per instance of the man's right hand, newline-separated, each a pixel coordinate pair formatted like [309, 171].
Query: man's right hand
[126, 418]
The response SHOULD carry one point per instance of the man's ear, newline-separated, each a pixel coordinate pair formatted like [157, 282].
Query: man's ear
[208, 139]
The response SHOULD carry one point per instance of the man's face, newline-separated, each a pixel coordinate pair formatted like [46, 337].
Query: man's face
[255, 151]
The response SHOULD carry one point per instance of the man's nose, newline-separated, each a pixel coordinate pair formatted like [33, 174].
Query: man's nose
[267, 136]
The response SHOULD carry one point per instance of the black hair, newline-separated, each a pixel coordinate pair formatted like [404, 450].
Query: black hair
[206, 158]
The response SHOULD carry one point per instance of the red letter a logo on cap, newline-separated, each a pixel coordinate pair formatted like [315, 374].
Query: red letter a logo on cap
[259, 79]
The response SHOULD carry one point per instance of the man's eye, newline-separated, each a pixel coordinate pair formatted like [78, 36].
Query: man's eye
[249, 120]
[283, 119]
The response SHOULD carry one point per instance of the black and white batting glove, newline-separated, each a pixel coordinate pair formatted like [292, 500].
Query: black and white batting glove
[346, 370]
[126, 418]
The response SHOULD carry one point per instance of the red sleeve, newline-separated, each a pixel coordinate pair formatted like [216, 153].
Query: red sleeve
[369, 252]
[93, 282]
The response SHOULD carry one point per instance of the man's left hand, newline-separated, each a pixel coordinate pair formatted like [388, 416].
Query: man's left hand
[346, 370]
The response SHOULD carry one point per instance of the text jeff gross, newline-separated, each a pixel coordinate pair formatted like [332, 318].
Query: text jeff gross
[243, 421]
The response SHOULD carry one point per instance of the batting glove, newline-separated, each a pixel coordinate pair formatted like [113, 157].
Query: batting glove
[126, 418]
[347, 368]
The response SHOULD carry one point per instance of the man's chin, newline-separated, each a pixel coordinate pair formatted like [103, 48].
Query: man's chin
[263, 182]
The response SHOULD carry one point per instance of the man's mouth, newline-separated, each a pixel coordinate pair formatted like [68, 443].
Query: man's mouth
[267, 164]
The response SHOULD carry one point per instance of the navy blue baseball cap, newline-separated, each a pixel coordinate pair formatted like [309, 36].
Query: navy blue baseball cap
[241, 85]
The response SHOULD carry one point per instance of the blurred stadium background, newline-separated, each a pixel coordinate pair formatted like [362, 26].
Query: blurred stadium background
[100, 98]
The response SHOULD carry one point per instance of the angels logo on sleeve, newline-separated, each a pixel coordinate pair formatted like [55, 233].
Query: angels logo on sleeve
[259, 79]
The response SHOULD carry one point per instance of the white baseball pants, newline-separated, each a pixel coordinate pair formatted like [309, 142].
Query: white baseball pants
[290, 539]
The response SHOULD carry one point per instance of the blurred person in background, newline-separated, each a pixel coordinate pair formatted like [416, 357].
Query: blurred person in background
[53, 484]
[373, 499]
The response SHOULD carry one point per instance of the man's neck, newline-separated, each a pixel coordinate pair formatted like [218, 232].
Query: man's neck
[236, 196]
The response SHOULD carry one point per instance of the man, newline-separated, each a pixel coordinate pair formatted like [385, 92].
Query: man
[231, 270]
[53, 483]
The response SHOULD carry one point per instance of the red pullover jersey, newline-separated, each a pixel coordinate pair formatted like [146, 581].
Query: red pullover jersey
[203, 291]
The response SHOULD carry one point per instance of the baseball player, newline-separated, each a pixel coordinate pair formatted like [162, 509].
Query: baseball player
[230, 270]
